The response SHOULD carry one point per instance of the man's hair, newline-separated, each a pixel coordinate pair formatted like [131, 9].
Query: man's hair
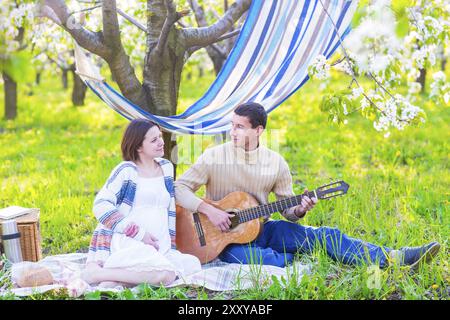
[134, 137]
[254, 112]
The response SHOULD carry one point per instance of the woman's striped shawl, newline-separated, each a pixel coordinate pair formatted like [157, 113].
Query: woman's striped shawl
[114, 202]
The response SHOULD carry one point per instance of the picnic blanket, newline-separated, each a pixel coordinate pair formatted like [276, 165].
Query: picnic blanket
[215, 276]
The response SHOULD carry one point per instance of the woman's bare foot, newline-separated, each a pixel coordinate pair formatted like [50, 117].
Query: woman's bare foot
[109, 284]
[90, 272]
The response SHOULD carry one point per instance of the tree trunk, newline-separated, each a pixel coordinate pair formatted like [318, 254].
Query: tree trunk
[217, 60]
[162, 71]
[422, 78]
[171, 148]
[78, 91]
[167, 48]
[38, 78]
[443, 64]
[10, 88]
[64, 78]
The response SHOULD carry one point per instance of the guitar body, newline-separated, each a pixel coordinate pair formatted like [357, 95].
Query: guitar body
[197, 236]
[192, 226]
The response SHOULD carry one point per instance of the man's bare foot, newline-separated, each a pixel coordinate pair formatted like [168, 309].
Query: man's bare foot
[90, 272]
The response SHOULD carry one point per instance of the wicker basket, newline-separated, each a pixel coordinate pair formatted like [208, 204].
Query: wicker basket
[30, 238]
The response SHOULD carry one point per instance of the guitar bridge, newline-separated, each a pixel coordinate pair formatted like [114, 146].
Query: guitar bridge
[199, 229]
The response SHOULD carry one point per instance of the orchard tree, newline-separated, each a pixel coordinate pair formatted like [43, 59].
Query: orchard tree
[167, 47]
[151, 36]
[53, 51]
[28, 48]
[15, 18]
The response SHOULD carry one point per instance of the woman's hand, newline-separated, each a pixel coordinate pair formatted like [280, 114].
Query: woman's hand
[150, 240]
[131, 230]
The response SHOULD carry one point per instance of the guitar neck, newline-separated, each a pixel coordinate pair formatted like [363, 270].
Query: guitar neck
[270, 208]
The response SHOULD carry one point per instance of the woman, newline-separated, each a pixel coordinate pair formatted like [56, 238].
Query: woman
[134, 241]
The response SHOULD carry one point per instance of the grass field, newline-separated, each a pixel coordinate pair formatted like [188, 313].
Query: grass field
[55, 157]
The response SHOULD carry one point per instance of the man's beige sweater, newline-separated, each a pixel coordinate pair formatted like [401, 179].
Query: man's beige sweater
[225, 168]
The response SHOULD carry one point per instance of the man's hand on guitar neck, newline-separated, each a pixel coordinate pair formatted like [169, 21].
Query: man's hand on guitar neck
[306, 205]
[219, 218]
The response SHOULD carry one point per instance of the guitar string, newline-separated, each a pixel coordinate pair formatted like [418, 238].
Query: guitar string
[253, 213]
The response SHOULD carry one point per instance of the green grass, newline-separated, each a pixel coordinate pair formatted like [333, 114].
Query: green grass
[55, 157]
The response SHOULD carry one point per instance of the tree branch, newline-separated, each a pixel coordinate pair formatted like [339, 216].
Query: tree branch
[201, 20]
[119, 11]
[198, 13]
[106, 44]
[229, 35]
[172, 16]
[132, 20]
[215, 14]
[57, 11]
[214, 47]
[351, 69]
[86, 9]
[217, 53]
[89, 1]
[111, 29]
[168, 23]
[119, 62]
[204, 36]
[62, 67]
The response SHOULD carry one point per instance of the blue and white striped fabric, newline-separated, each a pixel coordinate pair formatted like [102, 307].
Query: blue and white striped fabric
[269, 62]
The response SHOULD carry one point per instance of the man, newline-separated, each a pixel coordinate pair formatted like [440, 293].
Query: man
[244, 165]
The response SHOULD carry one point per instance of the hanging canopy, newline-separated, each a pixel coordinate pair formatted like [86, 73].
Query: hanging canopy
[269, 62]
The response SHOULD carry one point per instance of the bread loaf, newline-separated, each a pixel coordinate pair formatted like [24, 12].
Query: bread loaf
[34, 277]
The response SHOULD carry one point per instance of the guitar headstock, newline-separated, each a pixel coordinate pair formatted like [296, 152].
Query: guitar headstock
[334, 189]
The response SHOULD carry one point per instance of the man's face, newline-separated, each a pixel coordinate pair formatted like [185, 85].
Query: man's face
[242, 134]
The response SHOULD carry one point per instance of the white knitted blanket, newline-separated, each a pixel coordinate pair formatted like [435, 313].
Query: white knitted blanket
[215, 276]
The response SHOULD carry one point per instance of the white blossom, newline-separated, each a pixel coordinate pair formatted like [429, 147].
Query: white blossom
[345, 67]
[446, 97]
[439, 76]
[319, 68]
[378, 63]
[440, 87]
[356, 93]
[364, 103]
[419, 56]
[414, 87]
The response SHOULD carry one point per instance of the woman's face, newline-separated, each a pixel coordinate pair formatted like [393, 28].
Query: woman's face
[153, 144]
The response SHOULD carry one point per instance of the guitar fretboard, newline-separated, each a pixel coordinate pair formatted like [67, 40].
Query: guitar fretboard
[267, 209]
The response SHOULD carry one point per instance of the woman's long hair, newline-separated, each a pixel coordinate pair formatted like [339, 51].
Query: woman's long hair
[134, 137]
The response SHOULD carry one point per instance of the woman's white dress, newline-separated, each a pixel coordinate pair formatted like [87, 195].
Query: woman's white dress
[150, 212]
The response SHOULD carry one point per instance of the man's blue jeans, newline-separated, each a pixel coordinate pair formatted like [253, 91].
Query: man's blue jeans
[280, 240]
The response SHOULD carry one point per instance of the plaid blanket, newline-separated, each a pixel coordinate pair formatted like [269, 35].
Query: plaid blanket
[215, 276]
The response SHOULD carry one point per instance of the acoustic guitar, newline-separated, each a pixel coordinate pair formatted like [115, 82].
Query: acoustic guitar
[196, 234]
